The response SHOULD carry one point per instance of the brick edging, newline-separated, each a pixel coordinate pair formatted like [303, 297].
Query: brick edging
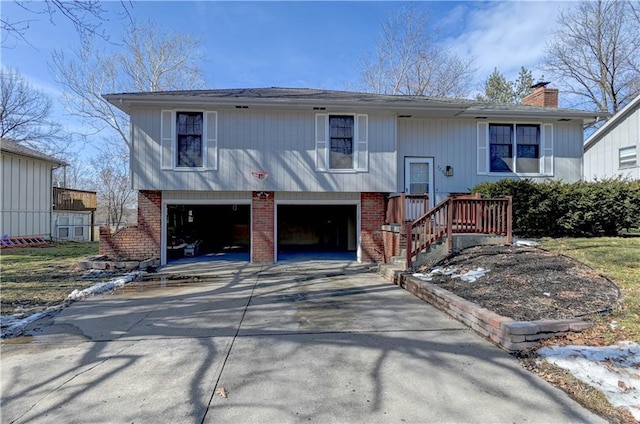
[508, 334]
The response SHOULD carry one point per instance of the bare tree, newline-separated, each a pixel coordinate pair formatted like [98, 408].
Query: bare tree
[409, 59]
[115, 195]
[595, 53]
[151, 59]
[86, 16]
[25, 115]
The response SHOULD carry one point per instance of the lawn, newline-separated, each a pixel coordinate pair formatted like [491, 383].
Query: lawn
[33, 278]
[619, 259]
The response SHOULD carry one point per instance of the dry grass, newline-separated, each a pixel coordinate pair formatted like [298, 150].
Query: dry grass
[33, 278]
[619, 259]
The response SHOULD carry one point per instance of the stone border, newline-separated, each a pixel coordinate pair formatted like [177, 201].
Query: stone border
[104, 263]
[508, 334]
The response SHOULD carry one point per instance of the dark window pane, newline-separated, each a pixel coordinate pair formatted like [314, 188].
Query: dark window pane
[500, 147]
[341, 142]
[189, 135]
[528, 134]
[501, 158]
[527, 151]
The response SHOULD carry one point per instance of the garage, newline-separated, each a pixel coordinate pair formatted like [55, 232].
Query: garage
[208, 231]
[317, 231]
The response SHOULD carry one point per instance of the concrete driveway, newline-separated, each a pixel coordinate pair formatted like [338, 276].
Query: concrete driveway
[288, 343]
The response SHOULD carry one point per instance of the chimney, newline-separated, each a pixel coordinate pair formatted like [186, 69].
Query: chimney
[542, 96]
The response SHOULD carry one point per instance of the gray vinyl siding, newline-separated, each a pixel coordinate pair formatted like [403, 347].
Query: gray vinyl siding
[454, 143]
[189, 195]
[603, 158]
[26, 197]
[279, 142]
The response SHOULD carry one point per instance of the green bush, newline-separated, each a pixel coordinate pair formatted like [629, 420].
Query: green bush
[579, 209]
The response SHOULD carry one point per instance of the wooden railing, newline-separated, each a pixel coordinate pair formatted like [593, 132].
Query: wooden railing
[406, 207]
[459, 215]
[68, 199]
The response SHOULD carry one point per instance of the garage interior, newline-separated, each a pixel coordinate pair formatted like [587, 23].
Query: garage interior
[211, 231]
[317, 229]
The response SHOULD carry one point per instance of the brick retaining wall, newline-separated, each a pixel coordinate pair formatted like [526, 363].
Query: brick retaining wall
[506, 333]
[138, 242]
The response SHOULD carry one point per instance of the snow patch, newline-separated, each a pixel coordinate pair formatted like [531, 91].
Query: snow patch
[530, 243]
[468, 275]
[613, 370]
[13, 325]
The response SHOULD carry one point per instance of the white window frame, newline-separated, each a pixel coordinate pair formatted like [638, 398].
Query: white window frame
[169, 140]
[360, 143]
[628, 154]
[545, 149]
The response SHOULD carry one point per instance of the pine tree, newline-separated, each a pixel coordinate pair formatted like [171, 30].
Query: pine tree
[497, 89]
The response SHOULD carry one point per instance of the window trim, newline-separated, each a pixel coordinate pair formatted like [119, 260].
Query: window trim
[360, 143]
[169, 143]
[633, 148]
[545, 146]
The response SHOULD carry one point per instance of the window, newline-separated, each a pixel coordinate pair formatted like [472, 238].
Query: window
[189, 139]
[627, 157]
[341, 142]
[521, 139]
[63, 227]
[78, 229]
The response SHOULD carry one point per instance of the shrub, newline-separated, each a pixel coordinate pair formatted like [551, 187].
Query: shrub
[579, 209]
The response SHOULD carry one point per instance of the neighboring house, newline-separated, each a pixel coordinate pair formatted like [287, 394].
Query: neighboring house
[612, 151]
[31, 206]
[276, 170]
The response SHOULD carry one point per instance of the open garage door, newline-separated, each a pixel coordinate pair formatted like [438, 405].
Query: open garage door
[317, 231]
[208, 232]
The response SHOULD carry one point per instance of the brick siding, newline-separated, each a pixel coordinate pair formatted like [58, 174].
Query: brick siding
[372, 211]
[262, 227]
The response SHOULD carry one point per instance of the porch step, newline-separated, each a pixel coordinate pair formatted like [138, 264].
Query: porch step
[6, 242]
[391, 271]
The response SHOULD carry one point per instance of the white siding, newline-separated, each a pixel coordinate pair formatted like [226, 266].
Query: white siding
[282, 143]
[455, 143]
[26, 197]
[75, 226]
[602, 159]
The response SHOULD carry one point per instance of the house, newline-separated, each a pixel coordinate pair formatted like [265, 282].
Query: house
[612, 150]
[32, 207]
[265, 172]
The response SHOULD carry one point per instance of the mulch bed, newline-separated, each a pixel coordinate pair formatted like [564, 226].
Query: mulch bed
[527, 283]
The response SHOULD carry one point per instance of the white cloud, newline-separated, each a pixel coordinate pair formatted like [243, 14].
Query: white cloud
[506, 35]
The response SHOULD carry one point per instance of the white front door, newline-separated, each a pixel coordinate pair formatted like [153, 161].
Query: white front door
[418, 177]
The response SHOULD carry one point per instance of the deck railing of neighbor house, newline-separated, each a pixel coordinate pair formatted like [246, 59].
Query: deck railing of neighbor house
[404, 207]
[68, 199]
[459, 215]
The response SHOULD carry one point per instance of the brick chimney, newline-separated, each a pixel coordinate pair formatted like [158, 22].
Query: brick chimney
[542, 96]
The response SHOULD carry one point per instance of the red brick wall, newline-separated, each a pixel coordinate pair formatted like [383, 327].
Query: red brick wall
[137, 242]
[393, 244]
[262, 227]
[371, 221]
[542, 97]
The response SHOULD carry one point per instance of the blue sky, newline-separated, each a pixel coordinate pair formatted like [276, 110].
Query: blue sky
[301, 44]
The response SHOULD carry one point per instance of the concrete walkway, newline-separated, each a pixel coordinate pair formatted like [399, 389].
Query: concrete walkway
[288, 343]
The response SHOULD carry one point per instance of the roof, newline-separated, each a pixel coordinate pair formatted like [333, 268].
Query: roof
[611, 123]
[17, 149]
[318, 99]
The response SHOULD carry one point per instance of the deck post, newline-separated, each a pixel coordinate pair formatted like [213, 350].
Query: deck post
[449, 225]
[403, 219]
[509, 219]
[409, 245]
